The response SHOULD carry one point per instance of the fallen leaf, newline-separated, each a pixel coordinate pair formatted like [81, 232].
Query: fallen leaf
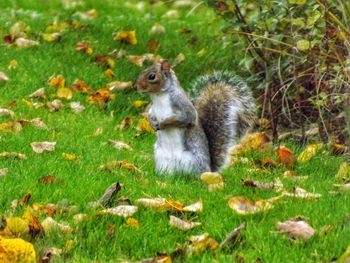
[128, 37]
[158, 259]
[48, 179]
[140, 103]
[182, 225]
[136, 60]
[122, 210]
[144, 126]
[339, 186]
[13, 126]
[77, 107]
[25, 43]
[119, 85]
[19, 29]
[213, 179]
[39, 123]
[125, 123]
[57, 81]
[6, 113]
[202, 52]
[285, 156]
[84, 48]
[244, 206]
[338, 148]
[232, 238]
[293, 176]
[343, 173]
[80, 86]
[276, 185]
[40, 147]
[157, 29]
[310, 151]
[132, 222]
[113, 165]
[296, 228]
[50, 225]
[64, 93]
[13, 155]
[179, 58]
[301, 193]
[171, 14]
[120, 145]
[3, 76]
[54, 105]
[14, 227]
[345, 258]
[101, 97]
[109, 73]
[4, 171]
[88, 15]
[153, 45]
[98, 132]
[79, 217]
[251, 142]
[16, 250]
[110, 194]
[157, 203]
[201, 243]
[69, 156]
[195, 208]
[33, 222]
[51, 37]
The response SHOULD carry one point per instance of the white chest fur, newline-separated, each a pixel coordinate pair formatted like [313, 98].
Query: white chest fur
[170, 152]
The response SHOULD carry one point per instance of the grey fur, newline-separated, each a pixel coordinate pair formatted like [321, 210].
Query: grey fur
[226, 110]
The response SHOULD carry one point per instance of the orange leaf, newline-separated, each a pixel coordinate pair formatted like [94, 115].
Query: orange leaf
[285, 156]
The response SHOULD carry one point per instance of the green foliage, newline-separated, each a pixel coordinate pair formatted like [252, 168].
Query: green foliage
[297, 51]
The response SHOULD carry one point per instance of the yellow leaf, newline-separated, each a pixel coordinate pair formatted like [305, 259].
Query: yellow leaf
[57, 81]
[13, 126]
[310, 151]
[101, 97]
[65, 93]
[85, 48]
[140, 103]
[14, 227]
[251, 142]
[244, 206]
[70, 157]
[128, 37]
[343, 172]
[13, 64]
[33, 222]
[16, 250]
[144, 126]
[134, 223]
[51, 37]
[109, 73]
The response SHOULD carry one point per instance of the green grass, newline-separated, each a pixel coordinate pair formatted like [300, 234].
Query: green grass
[81, 181]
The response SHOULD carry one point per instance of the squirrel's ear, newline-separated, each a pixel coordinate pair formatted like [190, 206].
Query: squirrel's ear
[165, 66]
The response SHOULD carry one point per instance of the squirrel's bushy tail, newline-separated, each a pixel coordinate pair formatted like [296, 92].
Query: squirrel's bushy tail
[226, 110]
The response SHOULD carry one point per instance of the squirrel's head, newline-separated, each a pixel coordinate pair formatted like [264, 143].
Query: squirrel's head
[152, 79]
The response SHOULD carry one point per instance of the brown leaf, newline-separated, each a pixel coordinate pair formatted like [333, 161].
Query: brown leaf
[293, 176]
[48, 179]
[40, 147]
[232, 238]
[101, 97]
[285, 156]
[33, 222]
[338, 148]
[54, 105]
[84, 48]
[153, 45]
[296, 228]
[276, 185]
[109, 195]
[80, 86]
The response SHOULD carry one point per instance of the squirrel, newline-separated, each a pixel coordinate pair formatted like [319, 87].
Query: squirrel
[195, 137]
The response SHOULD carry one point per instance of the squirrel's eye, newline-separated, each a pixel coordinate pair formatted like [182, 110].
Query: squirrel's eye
[151, 76]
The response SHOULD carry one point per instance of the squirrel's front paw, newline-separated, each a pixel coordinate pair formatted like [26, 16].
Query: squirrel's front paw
[154, 124]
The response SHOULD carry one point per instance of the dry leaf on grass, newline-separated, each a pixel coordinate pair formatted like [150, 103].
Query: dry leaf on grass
[87, 15]
[243, 206]
[33, 222]
[40, 147]
[144, 126]
[171, 14]
[25, 43]
[200, 243]
[181, 224]
[64, 93]
[128, 37]
[51, 37]
[132, 222]
[109, 195]
[195, 208]
[70, 156]
[119, 85]
[309, 152]
[79, 217]
[39, 123]
[77, 107]
[338, 148]
[285, 156]
[13, 126]
[136, 60]
[54, 105]
[16, 250]
[6, 113]
[301, 193]
[157, 203]
[293, 176]
[213, 180]
[122, 210]
[232, 238]
[14, 227]
[48, 253]
[114, 165]
[339, 186]
[4, 171]
[13, 155]
[120, 145]
[49, 225]
[80, 86]
[140, 103]
[57, 81]
[343, 173]
[125, 123]
[48, 179]
[101, 97]
[276, 185]
[3, 76]
[345, 258]
[296, 228]
[157, 29]
[251, 142]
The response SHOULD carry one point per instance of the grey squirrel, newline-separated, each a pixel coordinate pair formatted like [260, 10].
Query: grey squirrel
[195, 137]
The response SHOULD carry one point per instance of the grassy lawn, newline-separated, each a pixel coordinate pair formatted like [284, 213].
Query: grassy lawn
[81, 181]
